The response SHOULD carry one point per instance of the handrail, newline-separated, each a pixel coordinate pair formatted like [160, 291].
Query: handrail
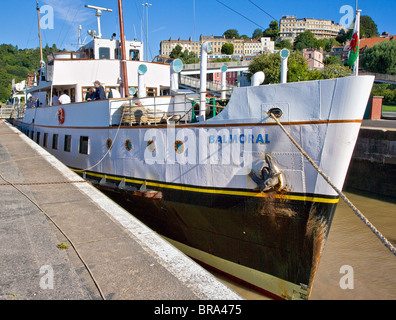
[158, 109]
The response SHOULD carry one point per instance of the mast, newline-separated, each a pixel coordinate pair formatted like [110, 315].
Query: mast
[41, 47]
[123, 51]
[356, 66]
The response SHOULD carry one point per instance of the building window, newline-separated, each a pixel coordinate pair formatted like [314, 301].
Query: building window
[38, 137]
[67, 145]
[55, 141]
[45, 141]
[84, 145]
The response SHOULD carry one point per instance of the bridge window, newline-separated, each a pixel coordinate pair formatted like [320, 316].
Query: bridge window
[104, 53]
[134, 55]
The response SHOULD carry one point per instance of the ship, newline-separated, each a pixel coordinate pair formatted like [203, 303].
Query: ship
[220, 181]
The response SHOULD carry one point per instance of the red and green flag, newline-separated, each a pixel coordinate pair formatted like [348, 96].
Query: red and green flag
[355, 41]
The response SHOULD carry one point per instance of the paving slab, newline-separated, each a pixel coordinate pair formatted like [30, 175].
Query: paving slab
[48, 204]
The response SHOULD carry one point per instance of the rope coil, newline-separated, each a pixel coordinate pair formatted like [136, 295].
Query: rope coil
[360, 215]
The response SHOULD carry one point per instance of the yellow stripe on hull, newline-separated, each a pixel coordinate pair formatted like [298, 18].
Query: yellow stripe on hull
[215, 191]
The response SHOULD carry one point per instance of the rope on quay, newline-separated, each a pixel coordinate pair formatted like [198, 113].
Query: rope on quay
[59, 228]
[360, 215]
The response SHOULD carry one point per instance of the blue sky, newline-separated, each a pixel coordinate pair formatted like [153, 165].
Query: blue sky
[170, 18]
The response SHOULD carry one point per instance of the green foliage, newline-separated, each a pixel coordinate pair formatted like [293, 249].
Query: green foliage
[381, 58]
[185, 56]
[335, 70]
[368, 28]
[17, 64]
[257, 34]
[305, 40]
[298, 69]
[176, 52]
[231, 33]
[272, 31]
[227, 48]
[270, 64]
[333, 60]
[285, 43]
[388, 91]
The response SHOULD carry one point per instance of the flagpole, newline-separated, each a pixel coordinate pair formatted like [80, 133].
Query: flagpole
[356, 66]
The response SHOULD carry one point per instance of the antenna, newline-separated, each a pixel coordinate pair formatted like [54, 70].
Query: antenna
[98, 15]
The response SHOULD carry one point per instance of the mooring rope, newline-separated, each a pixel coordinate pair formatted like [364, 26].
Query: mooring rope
[360, 215]
[108, 149]
[61, 231]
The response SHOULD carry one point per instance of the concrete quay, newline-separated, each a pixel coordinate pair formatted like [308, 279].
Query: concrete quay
[373, 164]
[110, 254]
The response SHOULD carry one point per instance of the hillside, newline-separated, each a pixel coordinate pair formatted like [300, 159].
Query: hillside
[17, 64]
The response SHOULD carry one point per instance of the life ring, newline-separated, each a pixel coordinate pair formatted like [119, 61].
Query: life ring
[61, 116]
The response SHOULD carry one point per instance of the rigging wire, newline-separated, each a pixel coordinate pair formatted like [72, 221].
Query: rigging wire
[263, 10]
[241, 15]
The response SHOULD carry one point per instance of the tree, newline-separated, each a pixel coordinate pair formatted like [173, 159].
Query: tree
[381, 58]
[368, 28]
[270, 64]
[285, 43]
[335, 70]
[227, 48]
[343, 36]
[272, 31]
[257, 34]
[231, 33]
[305, 40]
[176, 52]
[17, 63]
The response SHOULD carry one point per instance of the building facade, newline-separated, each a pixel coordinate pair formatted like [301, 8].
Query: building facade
[290, 27]
[242, 47]
[314, 58]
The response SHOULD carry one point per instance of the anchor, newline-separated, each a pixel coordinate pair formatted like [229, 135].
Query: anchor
[271, 175]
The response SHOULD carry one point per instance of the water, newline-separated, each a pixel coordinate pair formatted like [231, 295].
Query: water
[371, 266]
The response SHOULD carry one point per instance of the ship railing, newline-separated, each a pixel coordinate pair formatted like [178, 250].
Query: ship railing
[12, 111]
[181, 107]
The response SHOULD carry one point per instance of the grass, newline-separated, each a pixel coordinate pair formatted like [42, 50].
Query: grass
[62, 245]
[388, 108]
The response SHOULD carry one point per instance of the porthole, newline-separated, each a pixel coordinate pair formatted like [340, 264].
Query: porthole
[151, 146]
[276, 112]
[179, 146]
[109, 144]
[128, 145]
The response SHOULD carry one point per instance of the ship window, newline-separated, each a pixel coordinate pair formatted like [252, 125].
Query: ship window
[117, 54]
[134, 55]
[67, 145]
[104, 53]
[151, 92]
[45, 140]
[128, 145]
[85, 91]
[84, 145]
[55, 141]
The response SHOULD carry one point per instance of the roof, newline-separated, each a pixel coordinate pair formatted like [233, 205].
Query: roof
[370, 42]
